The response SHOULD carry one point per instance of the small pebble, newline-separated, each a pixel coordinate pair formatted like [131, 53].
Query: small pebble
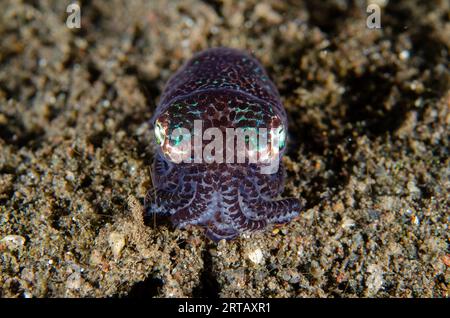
[375, 280]
[347, 223]
[117, 243]
[13, 242]
[256, 256]
[404, 55]
[446, 260]
[73, 281]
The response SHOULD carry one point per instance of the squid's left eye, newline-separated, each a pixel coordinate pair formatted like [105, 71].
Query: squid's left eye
[160, 133]
[177, 138]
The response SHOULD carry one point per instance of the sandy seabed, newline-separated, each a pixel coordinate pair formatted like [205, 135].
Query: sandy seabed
[368, 149]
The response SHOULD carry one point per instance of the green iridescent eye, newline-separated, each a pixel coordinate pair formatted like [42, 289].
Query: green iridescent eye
[176, 140]
[179, 135]
[281, 132]
[160, 134]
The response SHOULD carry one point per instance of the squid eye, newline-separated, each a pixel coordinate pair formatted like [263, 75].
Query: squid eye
[176, 140]
[282, 137]
[160, 134]
[179, 147]
[280, 132]
[179, 135]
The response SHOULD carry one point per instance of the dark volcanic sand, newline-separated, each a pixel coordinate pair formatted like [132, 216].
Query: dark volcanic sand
[368, 150]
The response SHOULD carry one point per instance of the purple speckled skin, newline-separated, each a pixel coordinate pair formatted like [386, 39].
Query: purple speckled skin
[224, 88]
